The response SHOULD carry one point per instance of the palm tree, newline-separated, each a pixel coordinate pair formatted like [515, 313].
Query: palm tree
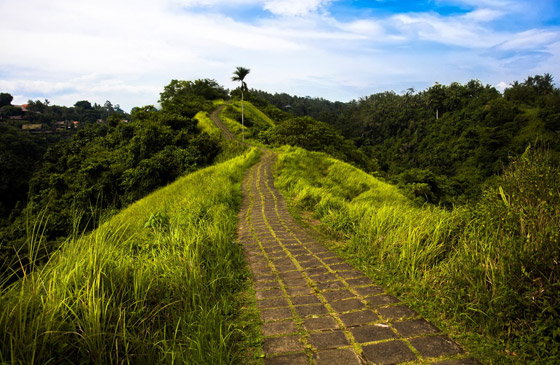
[239, 75]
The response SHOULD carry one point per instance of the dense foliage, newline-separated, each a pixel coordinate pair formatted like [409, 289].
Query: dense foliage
[20, 154]
[313, 135]
[105, 167]
[443, 144]
[492, 267]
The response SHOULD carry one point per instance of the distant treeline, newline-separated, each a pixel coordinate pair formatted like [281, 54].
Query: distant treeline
[441, 144]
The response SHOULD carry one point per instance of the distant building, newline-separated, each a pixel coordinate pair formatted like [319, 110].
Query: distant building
[22, 107]
[31, 127]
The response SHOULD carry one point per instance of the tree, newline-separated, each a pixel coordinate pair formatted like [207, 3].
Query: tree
[239, 75]
[5, 99]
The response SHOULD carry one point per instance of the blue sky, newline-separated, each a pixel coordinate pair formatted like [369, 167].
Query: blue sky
[126, 51]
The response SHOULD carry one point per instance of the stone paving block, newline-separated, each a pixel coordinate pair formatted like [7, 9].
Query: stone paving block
[276, 314]
[325, 255]
[396, 312]
[278, 255]
[342, 267]
[347, 305]
[388, 352]
[292, 359]
[265, 285]
[467, 361]
[367, 291]
[317, 271]
[272, 303]
[335, 295]
[269, 243]
[415, 327]
[305, 299]
[315, 247]
[280, 345]
[359, 281]
[358, 318]
[298, 290]
[352, 274]
[279, 328]
[290, 275]
[260, 278]
[286, 268]
[336, 357]
[265, 294]
[333, 261]
[328, 340]
[330, 285]
[261, 270]
[311, 310]
[309, 264]
[294, 282]
[324, 277]
[320, 323]
[370, 333]
[273, 249]
[298, 251]
[282, 261]
[435, 346]
[381, 300]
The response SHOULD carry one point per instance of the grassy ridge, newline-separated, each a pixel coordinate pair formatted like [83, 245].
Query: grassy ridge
[490, 268]
[155, 284]
[255, 120]
[254, 114]
[205, 124]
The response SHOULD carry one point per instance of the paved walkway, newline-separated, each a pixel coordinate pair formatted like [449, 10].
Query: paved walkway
[316, 308]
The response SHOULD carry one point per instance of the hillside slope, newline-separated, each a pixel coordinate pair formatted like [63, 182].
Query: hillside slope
[157, 283]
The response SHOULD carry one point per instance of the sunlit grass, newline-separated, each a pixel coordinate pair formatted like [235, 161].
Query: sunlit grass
[205, 124]
[254, 113]
[449, 264]
[157, 283]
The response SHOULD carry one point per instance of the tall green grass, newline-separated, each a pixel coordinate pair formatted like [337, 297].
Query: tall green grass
[255, 120]
[157, 283]
[205, 124]
[252, 112]
[492, 268]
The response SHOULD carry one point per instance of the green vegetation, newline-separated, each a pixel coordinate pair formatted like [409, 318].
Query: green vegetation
[159, 279]
[105, 167]
[157, 283]
[206, 125]
[492, 268]
[308, 133]
[255, 120]
[442, 145]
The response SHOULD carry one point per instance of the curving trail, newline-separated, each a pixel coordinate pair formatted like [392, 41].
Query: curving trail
[215, 117]
[316, 308]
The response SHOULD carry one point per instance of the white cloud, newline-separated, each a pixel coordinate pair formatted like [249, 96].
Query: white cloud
[294, 7]
[530, 39]
[483, 15]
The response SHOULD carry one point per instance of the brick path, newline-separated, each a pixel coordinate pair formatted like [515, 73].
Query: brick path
[316, 308]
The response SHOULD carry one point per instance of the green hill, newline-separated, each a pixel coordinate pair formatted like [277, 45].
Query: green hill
[157, 283]
[151, 273]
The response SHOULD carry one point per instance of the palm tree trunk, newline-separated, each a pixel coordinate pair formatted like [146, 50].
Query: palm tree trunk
[242, 117]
